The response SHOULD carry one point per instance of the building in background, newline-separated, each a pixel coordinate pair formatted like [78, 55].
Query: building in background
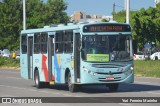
[78, 15]
[81, 16]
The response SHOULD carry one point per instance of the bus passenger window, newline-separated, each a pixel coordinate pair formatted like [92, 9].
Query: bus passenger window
[24, 44]
[59, 47]
[44, 39]
[68, 41]
[59, 42]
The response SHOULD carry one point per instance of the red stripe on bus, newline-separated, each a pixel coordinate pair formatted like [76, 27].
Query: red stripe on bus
[44, 67]
[53, 77]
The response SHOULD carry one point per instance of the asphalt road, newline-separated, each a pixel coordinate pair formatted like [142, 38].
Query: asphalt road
[12, 85]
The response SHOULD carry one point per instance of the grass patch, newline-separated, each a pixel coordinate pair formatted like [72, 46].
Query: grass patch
[9, 62]
[147, 68]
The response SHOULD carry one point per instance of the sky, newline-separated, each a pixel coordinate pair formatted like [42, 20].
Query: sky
[104, 7]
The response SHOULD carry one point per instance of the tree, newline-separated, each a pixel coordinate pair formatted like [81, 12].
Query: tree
[38, 14]
[120, 16]
[10, 23]
[104, 20]
[145, 25]
[56, 12]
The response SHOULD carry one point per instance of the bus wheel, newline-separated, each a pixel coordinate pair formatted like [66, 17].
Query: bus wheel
[38, 84]
[113, 87]
[156, 58]
[71, 87]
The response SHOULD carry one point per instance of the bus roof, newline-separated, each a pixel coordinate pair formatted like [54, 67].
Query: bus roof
[69, 26]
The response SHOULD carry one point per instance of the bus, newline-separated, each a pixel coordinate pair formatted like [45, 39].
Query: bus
[78, 54]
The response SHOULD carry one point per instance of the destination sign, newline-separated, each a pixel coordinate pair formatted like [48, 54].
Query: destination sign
[107, 28]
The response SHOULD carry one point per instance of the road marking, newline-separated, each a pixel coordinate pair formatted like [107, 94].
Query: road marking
[125, 104]
[147, 78]
[17, 88]
[154, 93]
[35, 90]
[7, 95]
[78, 96]
[49, 92]
[139, 82]
[67, 95]
[13, 78]
[15, 72]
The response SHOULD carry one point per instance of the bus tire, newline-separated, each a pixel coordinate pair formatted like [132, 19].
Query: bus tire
[71, 87]
[38, 84]
[113, 87]
[156, 58]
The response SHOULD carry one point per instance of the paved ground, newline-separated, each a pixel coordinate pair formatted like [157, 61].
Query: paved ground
[12, 85]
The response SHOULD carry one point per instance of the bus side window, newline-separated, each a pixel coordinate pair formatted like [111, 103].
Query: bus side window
[44, 40]
[37, 40]
[59, 42]
[68, 41]
[24, 44]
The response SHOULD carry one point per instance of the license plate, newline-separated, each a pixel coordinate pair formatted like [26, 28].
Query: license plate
[110, 78]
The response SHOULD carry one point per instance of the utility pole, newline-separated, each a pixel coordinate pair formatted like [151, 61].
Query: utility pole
[24, 14]
[124, 5]
[127, 10]
[114, 5]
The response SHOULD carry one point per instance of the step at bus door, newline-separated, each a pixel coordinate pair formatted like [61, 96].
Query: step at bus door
[30, 58]
[51, 58]
[77, 44]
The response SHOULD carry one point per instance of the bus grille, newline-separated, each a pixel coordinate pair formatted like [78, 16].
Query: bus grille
[107, 65]
[107, 73]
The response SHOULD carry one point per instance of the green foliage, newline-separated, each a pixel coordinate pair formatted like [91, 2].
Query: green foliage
[104, 20]
[147, 68]
[145, 24]
[9, 62]
[38, 14]
[120, 16]
[10, 23]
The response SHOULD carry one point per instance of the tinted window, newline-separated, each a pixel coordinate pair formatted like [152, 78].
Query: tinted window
[24, 44]
[40, 42]
[37, 43]
[64, 41]
[68, 42]
[59, 42]
[44, 39]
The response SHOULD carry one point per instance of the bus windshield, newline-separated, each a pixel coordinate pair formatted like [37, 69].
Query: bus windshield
[105, 48]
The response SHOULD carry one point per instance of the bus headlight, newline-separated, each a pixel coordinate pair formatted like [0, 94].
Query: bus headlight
[94, 74]
[85, 69]
[89, 71]
[131, 68]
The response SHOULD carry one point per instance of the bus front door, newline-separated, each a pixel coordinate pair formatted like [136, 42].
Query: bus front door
[30, 58]
[51, 59]
[77, 43]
